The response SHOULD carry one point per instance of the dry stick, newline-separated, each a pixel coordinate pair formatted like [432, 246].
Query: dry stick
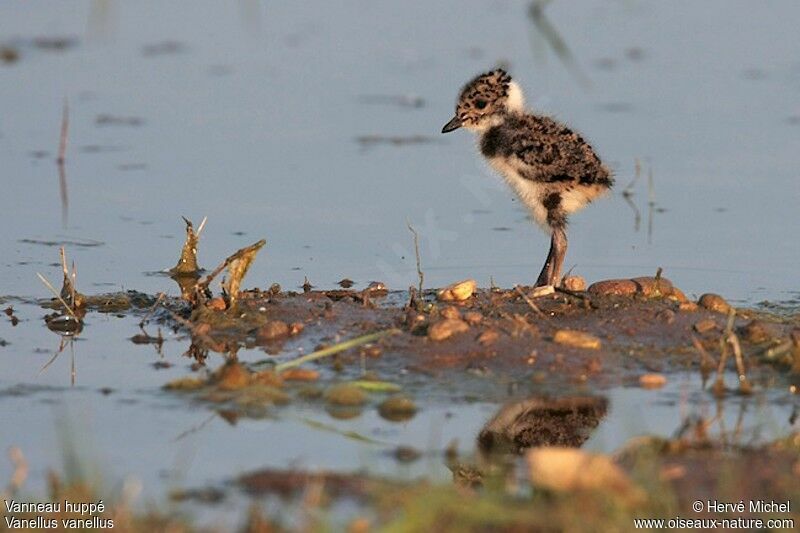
[706, 361]
[719, 384]
[200, 227]
[733, 340]
[60, 299]
[651, 203]
[228, 260]
[352, 343]
[530, 302]
[62, 153]
[416, 252]
[152, 310]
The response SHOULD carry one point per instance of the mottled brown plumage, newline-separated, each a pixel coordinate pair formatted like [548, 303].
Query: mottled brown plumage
[553, 170]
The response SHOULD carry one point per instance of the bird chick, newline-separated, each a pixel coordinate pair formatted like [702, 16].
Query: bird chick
[550, 167]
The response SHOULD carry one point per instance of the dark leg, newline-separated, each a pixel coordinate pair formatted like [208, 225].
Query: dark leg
[551, 271]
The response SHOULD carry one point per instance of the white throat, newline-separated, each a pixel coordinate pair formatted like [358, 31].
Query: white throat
[516, 100]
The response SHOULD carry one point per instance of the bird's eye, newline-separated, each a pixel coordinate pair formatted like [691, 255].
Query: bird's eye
[480, 104]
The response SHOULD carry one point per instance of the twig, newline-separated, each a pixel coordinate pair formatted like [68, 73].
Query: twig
[416, 252]
[61, 159]
[60, 299]
[530, 302]
[200, 227]
[152, 310]
[342, 346]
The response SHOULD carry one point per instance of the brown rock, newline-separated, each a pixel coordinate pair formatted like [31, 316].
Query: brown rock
[687, 307]
[296, 328]
[217, 304]
[450, 312]
[577, 339]
[652, 381]
[397, 408]
[756, 332]
[488, 337]
[446, 328]
[346, 394]
[574, 283]
[274, 329]
[705, 325]
[666, 315]
[678, 295]
[652, 287]
[613, 287]
[473, 318]
[232, 376]
[714, 302]
[300, 374]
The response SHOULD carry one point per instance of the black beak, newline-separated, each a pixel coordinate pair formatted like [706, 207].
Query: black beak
[453, 125]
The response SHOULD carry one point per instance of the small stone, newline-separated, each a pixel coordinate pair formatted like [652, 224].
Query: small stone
[652, 287]
[613, 287]
[574, 283]
[473, 318]
[371, 350]
[577, 339]
[296, 328]
[397, 408]
[755, 332]
[232, 376]
[687, 307]
[457, 292]
[714, 302]
[346, 394]
[300, 374]
[677, 295]
[446, 328]
[217, 304]
[450, 312]
[274, 329]
[666, 315]
[406, 454]
[488, 337]
[652, 381]
[705, 325]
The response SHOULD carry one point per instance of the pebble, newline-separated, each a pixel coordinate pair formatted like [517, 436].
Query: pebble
[397, 408]
[450, 312]
[296, 328]
[217, 304]
[274, 329]
[705, 325]
[652, 381]
[714, 302]
[473, 318]
[300, 374]
[755, 332]
[577, 339]
[647, 286]
[457, 292]
[574, 283]
[666, 315]
[446, 328]
[613, 287]
[232, 376]
[488, 337]
[346, 394]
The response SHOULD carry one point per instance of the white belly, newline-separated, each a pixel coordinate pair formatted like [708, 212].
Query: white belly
[531, 193]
